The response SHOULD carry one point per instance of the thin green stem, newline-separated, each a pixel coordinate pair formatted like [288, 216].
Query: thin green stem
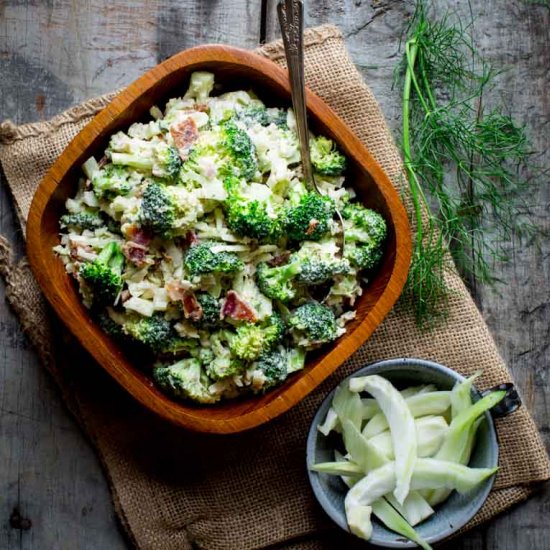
[414, 184]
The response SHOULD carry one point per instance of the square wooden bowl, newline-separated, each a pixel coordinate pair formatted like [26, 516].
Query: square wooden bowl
[234, 69]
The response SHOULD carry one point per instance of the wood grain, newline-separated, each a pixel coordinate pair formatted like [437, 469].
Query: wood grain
[234, 68]
[35, 61]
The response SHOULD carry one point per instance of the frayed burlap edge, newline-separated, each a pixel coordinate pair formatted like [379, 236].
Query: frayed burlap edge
[9, 132]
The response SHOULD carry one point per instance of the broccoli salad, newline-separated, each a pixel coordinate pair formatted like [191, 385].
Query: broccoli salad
[195, 243]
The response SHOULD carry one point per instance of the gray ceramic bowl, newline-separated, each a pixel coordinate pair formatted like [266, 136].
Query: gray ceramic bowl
[453, 513]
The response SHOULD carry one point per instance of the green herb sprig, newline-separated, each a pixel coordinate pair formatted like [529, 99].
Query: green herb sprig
[467, 166]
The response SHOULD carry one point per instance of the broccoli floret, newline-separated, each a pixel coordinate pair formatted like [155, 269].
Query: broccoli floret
[319, 263]
[200, 259]
[157, 210]
[274, 366]
[248, 342]
[313, 323]
[210, 311]
[309, 220]
[240, 149]
[111, 181]
[248, 216]
[82, 220]
[253, 115]
[103, 275]
[365, 231]
[278, 117]
[200, 86]
[326, 158]
[154, 332]
[251, 340]
[185, 379]
[158, 158]
[167, 161]
[224, 364]
[176, 345]
[110, 327]
[167, 211]
[277, 282]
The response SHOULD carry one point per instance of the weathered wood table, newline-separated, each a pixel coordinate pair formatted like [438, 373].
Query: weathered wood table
[54, 54]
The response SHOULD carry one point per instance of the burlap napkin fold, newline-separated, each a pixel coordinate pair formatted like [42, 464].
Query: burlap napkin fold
[174, 489]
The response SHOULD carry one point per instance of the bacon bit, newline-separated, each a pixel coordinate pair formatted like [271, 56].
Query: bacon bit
[281, 259]
[191, 239]
[176, 290]
[135, 253]
[191, 308]
[139, 235]
[201, 107]
[312, 225]
[184, 134]
[236, 308]
[75, 248]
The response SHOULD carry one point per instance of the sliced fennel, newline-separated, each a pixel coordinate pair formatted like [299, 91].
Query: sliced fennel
[392, 520]
[347, 406]
[401, 423]
[427, 473]
[331, 422]
[407, 450]
[461, 395]
[430, 433]
[421, 404]
[414, 509]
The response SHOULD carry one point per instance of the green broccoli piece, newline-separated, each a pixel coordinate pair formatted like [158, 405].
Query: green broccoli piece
[365, 232]
[251, 340]
[165, 210]
[309, 220]
[167, 161]
[241, 150]
[111, 181]
[278, 117]
[313, 323]
[253, 115]
[82, 220]
[248, 216]
[210, 311]
[200, 259]
[103, 275]
[185, 379]
[224, 364]
[110, 327]
[200, 86]
[318, 265]
[325, 157]
[274, 366]
[158, 209]
[277, 282]
[157, 158]
[154, 332]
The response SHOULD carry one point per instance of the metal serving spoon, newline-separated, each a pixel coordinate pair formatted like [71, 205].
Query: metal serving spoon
[291, 21]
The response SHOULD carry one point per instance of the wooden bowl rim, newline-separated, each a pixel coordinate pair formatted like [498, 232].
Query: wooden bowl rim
[116, 364]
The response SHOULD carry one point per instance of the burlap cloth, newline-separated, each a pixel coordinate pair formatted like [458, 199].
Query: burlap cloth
[174, 489]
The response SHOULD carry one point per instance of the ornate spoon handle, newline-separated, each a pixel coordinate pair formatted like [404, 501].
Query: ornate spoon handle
[291, 20]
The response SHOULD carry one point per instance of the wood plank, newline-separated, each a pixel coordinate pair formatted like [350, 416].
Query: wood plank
[54, 55]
